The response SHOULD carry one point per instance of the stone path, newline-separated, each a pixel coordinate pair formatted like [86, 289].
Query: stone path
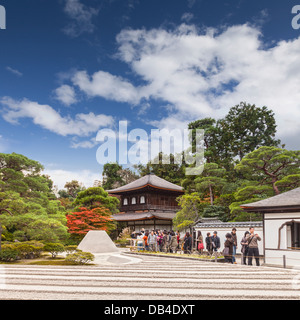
[153, 278]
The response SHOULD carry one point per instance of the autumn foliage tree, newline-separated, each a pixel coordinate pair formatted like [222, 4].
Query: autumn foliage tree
[79, 223]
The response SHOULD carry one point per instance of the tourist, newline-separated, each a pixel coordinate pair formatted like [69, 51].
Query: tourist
[145, 237]
[200, 245]
[216, 243]
[245, 247]
[133, 235]
[165, 241]
[173, 242]
[228, 248]
[178, 238]
[160, 238]
[187, 246]
[234, 238]
[152, 241]
[140, 241]
[208, 242]
[252, 239]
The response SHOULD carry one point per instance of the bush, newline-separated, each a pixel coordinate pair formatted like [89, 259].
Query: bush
[70, 249]
[28, 250]
[38, 248]
[80, 257]
[54, 248]
[8, 254]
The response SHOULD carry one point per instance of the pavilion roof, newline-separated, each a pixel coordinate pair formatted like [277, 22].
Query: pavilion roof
[287, 200]
[149, 180]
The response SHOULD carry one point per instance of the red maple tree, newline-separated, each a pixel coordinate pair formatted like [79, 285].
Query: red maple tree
[79, 223]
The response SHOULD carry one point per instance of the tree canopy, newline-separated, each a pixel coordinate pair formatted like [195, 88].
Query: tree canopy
[26, 194]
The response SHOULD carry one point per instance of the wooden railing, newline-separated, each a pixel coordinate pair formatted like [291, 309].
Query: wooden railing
[140, 207]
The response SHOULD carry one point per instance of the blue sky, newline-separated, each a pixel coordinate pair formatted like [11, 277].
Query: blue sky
[71, 67]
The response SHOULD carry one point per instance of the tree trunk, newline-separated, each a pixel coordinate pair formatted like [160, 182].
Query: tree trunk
[211, 194]
[275, 188]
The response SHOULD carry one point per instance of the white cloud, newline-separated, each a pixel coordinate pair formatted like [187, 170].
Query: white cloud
[81, 16]
[60, 177]
[14, 71]
[105, 85]
[86, 144]
[65, 94]
[205, 72]
[48, 118]
[187, 17]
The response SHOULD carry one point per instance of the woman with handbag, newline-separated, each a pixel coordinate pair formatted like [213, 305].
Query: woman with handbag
[200, 242]
[228, 248]
[245, 247]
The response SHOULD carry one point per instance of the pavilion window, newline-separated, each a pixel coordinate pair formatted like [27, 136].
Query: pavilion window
[142, 199]
[133, 200]
[125, 202]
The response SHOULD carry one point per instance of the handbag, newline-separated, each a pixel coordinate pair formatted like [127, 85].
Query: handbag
[225, 251]
[200, 246]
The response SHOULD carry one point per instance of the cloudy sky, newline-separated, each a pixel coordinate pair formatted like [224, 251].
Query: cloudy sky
[69, 68]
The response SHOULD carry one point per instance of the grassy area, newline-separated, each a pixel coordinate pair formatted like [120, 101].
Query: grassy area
[45, 260]
[197, 256]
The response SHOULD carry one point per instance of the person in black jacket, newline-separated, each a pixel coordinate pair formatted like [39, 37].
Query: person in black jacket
[208, 242]
[187, 243]
[216, 241]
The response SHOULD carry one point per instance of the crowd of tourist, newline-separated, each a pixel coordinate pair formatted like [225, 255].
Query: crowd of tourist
[170, 241]
[249, 245]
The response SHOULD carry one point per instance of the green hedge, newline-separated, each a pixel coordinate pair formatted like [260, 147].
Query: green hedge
[80, 257]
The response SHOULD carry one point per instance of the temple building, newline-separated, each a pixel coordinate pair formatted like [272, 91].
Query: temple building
[148, 202]
[281, 225]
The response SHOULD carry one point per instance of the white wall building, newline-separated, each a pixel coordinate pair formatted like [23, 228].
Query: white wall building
[281, 216]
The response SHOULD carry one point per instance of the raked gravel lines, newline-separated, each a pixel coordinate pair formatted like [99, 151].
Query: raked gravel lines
[154, 278]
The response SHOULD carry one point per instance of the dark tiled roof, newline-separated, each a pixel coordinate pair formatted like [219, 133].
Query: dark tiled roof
[134, 216]
[286, 199]
[208, 225]
[150, 179]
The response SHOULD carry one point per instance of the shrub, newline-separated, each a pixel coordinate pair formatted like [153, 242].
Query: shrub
[38, 248]
[54, 248]
[8, 254]
[70, 249]
[26, 250]
[80, 257]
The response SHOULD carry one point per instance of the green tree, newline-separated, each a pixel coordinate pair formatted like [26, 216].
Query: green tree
[247, 128]
[166, 167]
[211, 180]
[191, 210]
[211, 137]
[111, 176]
[271, 166]
[72, 189]
[28, 196]
[95, 197]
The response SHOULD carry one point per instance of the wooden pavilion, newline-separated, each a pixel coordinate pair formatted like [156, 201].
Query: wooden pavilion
[148, 202]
